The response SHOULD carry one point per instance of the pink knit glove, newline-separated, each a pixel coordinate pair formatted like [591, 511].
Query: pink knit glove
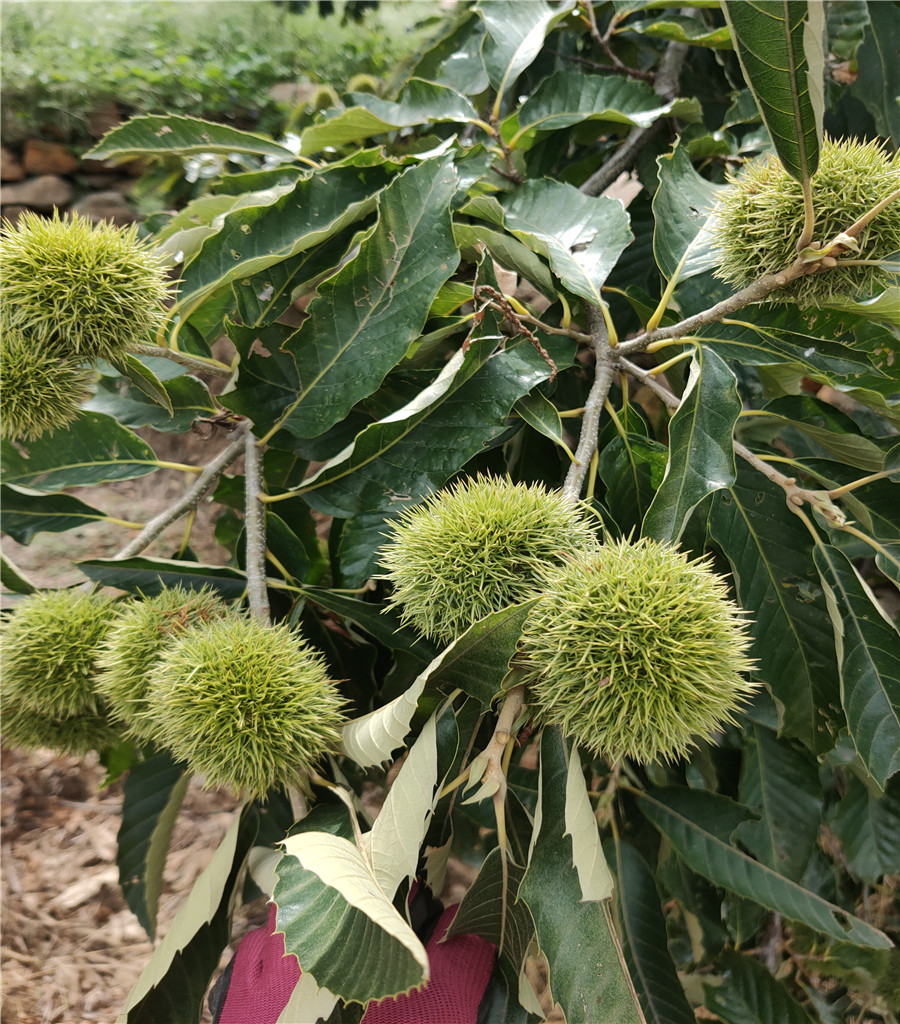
[263, 978]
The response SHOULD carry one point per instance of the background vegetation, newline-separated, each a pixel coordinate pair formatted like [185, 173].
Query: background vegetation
[63, 60]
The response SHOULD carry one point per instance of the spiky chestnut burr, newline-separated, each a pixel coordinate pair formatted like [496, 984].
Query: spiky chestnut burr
[134, 643]
[42, 392]
[247, 705]
[760, 217]
[476, 548]
[76, 735]
[50, 647]
[636, 651]
[87, 291]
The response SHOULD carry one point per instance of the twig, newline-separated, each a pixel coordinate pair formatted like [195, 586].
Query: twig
[646, 377]
[255, 531]
[493, 754]
[192, 497]
[505, 306]
[604, 372]
[212, 366]
[755, 292]
[665, 84]
[795, 496]
[622, 160]
[646, 76]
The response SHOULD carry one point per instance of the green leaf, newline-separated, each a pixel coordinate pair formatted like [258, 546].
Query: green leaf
[868, 826]
[13, 579]
[632, 468]
[540, 413]
[509, 252]
[822, 426]
[568, 920]
[699, 825]
[748, 994]
[263, 229]
[148, 576]
[365, 316]
[340, 925]
[769, 549]
[779, 45]
[701, 453]
[682, 29]
[26, 513]
[882, 307]
[878, 83]
[764, 335]
[515, 35]
[642, 925]
[625, 7]
[477, 663]
[381, 621]
[868, 653]
[267, 378]
[581, 236]
[188, 399]
[183, 136]
[153, 792]
[172, 986]
[144, 380]
[264, 296]
[681, 208]
[490, 910]
[484, 911]
[420, 102]
[568, 98]
[402, 460]
[342, 486]
[781, 784]
[94, 450]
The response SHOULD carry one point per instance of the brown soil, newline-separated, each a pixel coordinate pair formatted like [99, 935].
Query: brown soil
[71, 949]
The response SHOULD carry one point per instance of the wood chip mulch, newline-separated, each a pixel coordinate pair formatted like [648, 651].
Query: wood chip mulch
[71, 948]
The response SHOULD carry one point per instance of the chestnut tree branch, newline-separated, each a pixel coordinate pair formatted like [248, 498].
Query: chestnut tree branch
[795, 496]
[192, 497]
[604, 372]
[255, 530]
[755, 292]
[665, 84]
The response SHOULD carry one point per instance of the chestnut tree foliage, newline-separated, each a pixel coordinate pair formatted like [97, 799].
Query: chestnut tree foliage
[475, 302]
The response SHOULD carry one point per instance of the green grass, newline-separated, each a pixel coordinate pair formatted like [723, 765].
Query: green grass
[201, 57]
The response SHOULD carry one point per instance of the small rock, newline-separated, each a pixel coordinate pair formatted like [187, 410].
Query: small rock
[106, 116]
[292, 93]
[41, 157]
[13, 213]
[89, 166]
[109, 205]
[100, 182]
[10, 168]
[42, 193]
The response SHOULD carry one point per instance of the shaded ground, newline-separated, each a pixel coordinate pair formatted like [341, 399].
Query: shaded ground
[71, 949]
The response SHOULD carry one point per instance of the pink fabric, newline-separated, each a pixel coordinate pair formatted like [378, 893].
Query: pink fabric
[263, 979]
[460, 971]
